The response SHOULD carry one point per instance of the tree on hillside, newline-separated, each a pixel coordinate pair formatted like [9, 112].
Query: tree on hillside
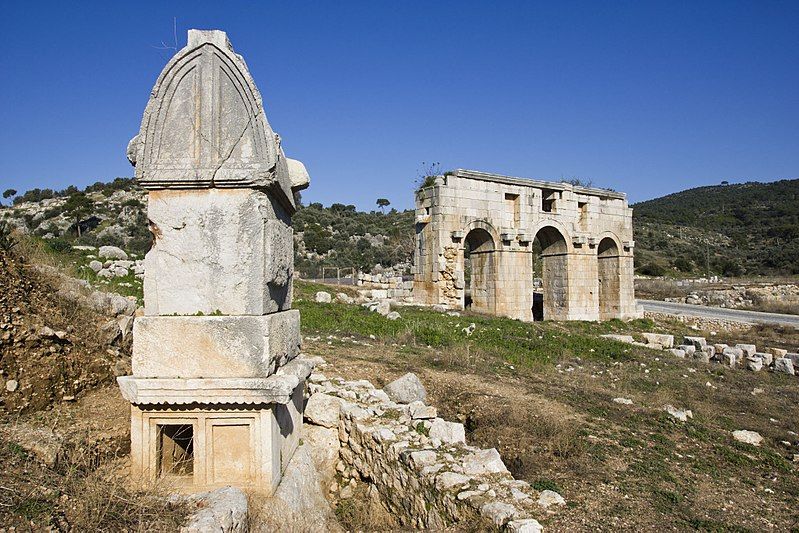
[382, 203]
[9, 193]
[78, 206]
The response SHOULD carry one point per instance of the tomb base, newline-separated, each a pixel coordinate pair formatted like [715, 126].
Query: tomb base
[197, 434]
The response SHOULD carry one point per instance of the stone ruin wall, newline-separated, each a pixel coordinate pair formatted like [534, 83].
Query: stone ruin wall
[586, 235]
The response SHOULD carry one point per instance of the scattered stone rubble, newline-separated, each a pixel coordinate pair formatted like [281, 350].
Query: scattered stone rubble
[739, 356]
[417, 465]
[739, 297]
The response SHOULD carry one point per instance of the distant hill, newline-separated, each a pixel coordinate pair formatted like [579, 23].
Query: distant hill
[741, 229]
[732, 230]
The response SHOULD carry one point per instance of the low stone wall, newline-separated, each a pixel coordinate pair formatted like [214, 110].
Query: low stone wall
[425, 474]
[385, 286]
[702, 323]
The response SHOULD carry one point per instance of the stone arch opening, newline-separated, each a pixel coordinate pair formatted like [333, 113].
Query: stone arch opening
[608, 268]
[550, 267]
[480, 271]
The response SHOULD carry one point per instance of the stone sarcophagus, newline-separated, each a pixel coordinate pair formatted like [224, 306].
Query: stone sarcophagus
[218, 382]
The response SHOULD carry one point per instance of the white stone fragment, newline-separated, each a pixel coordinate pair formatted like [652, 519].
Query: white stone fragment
[748, 437]
[483, 462]
[323, 410]
[526, 525]
[448, 432]
[680, 414]
[550, 497]
[406, 389]
[323, 297]
[623, 401]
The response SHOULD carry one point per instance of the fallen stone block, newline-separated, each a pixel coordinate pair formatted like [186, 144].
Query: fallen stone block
[548, 498]
[689, 349]
[747, 349]
[323, 410]
[784, 365]
[777, 352]
[766, 357]
[748, 437]
[628, 339]
[677, 352]
[323, 297]
[697, 342]
[754, 363]
[406, 389]
[665, 341]
[448, 432]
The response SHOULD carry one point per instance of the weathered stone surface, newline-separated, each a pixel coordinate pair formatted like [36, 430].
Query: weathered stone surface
[499, 513]
[96, 266]
[754, 363]
[224, 510]
[205, 126]
[44, 444]
[406, 389]
[627, 339]
[688, 349]
[112, 252]
[747, 349]
[227, 251]
[299, 502]
[623, 401]
[447, 432]
[527, 525]
[548, 498]
[323, 410]
[448, 480]
[680, 414]
[665, 341]
[420, 411]
[587, 256]
[777, 352]
[676, 352]
[483, 462]
[747, 437]
[323, 297]
[784, 365]
[697, 342]
[323, 445]
[214, 346]
[393, 315]
[766, 357]
[344, 298]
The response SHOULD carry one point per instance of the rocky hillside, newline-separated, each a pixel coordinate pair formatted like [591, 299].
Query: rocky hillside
[58, 338]
[741, 229]
[114, 214]
[729, 230]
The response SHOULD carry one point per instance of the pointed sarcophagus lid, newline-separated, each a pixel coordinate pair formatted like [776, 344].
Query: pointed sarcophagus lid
[205, 126]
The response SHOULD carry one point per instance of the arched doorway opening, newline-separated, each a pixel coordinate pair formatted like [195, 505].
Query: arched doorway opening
[550, 274]
[609, 279]
[479, 271]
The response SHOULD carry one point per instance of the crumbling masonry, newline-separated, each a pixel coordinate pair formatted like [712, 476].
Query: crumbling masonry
[475, 235]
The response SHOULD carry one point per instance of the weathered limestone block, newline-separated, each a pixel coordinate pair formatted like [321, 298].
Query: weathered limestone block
[226, 251]
[747, 349]
[214, 346]
[204, 126]
[665, 341]
[784, 365]
[777, 352]
[698, 342]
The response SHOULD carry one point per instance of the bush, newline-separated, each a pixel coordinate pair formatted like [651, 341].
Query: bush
[59, 245]
[652, 269]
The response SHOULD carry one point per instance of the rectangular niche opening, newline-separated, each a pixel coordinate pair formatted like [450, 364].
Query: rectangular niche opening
[175, 450]
[548, 197]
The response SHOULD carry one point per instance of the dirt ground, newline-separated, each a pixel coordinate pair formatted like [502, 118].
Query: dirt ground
[620, 467]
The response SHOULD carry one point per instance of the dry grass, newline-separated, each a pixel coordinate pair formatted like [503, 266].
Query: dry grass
[80, 493]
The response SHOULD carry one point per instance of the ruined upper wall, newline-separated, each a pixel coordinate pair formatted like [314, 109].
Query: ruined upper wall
[205, 127]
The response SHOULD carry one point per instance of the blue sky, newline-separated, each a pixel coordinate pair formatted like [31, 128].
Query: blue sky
[643, 97]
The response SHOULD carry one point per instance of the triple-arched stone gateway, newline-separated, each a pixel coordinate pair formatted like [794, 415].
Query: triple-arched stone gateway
[483, 239]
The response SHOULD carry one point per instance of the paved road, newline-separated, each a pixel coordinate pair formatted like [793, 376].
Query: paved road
[720, 313]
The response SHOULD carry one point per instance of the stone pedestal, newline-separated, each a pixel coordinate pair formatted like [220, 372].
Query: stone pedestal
[218, 384]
